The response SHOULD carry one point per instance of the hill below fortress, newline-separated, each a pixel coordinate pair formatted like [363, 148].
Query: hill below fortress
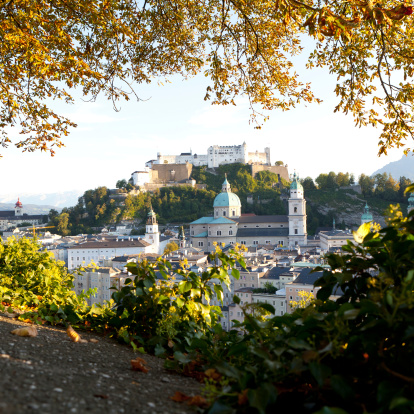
[265, 194]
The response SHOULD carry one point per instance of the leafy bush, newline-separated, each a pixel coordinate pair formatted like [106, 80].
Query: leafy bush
[352, 355]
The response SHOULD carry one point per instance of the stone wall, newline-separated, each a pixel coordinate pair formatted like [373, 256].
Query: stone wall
[282, 171]
[171, 172]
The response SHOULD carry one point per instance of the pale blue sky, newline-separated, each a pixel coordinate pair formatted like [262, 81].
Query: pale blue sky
[109, 145]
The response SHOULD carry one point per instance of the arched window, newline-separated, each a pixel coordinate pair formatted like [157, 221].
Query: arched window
[295, 209]
[224, 213]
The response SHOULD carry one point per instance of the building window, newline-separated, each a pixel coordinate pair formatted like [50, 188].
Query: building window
[200, 244]
[218, 232]
[234, 213]
[296, 231]
[230, 232]
[224, 213]
[295, 209]
[217, 213]
[242, 242]
[192, 232]
[290, 297]
[267, 241]
[257, 226]
[209, 233]
[255, 242]
[269, 225]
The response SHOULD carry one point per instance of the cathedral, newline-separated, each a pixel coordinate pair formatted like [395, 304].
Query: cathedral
[229, 226]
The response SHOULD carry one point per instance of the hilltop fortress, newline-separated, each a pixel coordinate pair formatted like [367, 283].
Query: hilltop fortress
[176, 169]
[216, 155]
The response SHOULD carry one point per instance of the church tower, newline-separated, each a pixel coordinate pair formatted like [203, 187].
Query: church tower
[298, 235]
[18, 208]
[152, 234]
[181, 237]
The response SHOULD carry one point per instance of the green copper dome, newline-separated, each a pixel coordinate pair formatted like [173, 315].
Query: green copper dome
[227, 200]
[296, 185]
[367, 216]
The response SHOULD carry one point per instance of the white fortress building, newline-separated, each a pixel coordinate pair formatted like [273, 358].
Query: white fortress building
[229, 226]
[216, 155]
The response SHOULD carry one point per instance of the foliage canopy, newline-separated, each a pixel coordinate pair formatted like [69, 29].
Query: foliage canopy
[242, 47]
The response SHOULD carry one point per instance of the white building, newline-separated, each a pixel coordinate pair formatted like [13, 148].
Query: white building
[334, 238]
[101, 279]
[83, 254]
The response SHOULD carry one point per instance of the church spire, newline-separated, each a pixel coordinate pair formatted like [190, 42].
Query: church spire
[225, 188]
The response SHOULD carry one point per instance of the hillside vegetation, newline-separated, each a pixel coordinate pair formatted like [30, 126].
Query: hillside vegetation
[328, 197]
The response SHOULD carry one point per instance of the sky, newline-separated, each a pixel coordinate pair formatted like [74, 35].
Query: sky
[108, 145]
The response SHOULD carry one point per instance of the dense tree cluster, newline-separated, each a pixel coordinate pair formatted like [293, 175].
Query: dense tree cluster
[243, 48]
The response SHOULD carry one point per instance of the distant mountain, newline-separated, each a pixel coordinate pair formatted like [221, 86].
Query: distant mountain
[403, 167]
[52, 200]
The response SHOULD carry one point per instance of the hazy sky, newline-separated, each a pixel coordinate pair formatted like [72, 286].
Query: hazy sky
[108, 146]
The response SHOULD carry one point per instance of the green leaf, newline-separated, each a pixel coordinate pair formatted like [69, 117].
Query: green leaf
[236, 299]
[331, 410]
[184, 286]
[148, 283]
[180, 357]
[235, 273]
[180, 302]
[220, 408]
[262, 397]
[319, 371]
[268, 307]
[159, 350]
[195, 292]
[342, 387]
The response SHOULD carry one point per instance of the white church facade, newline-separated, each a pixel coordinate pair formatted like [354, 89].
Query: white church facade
[229, 226]
[216, 155]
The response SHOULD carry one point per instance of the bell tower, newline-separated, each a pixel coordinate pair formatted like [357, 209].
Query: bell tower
[152, 235]
[18, 208]
[298, 235]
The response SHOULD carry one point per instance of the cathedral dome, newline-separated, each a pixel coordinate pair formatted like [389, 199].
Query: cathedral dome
[19, 203]
[227, 200]
[367, 216]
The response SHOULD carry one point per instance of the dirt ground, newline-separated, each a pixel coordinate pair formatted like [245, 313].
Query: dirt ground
[51, 374]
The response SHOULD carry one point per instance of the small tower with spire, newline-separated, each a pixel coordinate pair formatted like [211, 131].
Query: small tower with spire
[152, 235]
[18, 208]
[181, 237]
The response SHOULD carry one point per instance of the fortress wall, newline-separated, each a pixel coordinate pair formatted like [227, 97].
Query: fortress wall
[276, 169]
[171, 172]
